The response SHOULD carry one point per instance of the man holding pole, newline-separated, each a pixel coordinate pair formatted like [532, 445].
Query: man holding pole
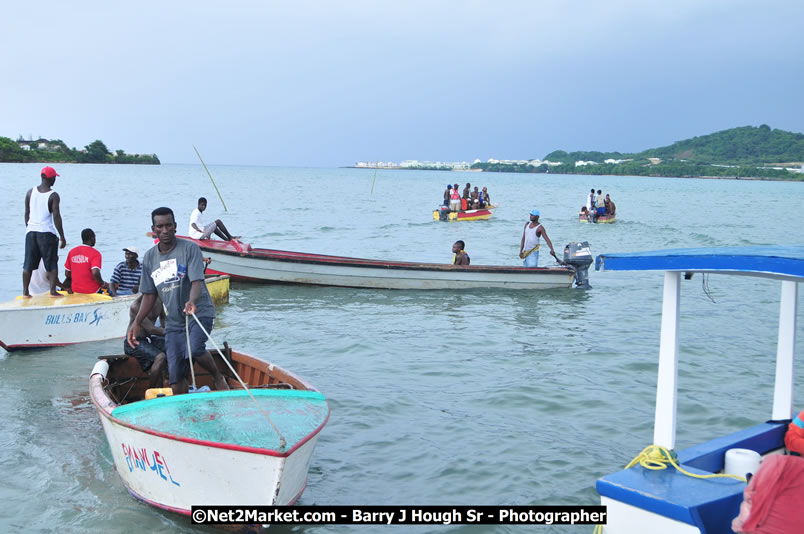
[175, 269]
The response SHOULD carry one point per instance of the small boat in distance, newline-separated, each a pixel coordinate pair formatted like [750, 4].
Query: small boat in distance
[583, 217]
[244, 263]
[43, 321]
[444, 214]
[221, 447]
[651, 499]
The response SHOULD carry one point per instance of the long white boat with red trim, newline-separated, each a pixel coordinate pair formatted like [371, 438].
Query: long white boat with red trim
[244, 263]
[684, 498]
[232, 447]
[42, 321]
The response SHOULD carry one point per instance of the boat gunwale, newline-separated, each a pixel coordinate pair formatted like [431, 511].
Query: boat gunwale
[322, 259]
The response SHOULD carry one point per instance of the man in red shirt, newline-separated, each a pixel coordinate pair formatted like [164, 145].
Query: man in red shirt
[82, 269]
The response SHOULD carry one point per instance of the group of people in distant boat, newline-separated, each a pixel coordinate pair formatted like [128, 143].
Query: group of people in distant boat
[469, 200]
[598, 205]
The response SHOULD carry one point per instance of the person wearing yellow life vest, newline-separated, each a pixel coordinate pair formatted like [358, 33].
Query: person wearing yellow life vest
[459, 255]
[529, 247]
[794, 438]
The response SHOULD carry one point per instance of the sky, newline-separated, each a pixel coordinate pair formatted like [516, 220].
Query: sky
[328, 83]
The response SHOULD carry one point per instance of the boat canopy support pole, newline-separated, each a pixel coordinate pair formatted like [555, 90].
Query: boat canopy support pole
[664, 430]
[785, 350]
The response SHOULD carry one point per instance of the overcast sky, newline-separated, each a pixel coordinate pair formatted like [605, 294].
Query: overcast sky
[328, 83]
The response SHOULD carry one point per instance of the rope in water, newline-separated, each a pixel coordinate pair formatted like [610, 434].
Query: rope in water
[282, 442]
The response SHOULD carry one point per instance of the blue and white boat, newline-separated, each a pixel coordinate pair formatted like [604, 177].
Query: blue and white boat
[664, 501]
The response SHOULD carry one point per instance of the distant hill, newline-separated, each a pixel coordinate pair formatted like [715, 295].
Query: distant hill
[746, 145]
[744, 152]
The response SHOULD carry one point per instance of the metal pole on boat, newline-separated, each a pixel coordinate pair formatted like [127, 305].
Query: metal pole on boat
[664, 430]
[210, 177]
[785, 351]
[282, 441]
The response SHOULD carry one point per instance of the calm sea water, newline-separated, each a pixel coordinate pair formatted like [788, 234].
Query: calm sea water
[486, 397]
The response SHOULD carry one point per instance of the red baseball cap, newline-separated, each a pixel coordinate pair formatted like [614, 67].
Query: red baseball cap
[50, 172]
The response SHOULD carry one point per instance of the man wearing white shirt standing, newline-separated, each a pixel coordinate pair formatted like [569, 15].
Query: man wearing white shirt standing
[199, 230]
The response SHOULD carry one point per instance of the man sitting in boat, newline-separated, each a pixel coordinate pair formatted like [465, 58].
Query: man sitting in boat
[82, 270]
[199, 230]
[459, 255]
[150, 349]
[609, 205]
[475, 199]
[483, 198]
[126, 277]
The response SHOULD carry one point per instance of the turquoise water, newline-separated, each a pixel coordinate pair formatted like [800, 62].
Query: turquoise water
[488, 397]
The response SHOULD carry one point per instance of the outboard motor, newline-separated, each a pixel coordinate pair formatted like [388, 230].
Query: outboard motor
[443, 213]
[578, 256]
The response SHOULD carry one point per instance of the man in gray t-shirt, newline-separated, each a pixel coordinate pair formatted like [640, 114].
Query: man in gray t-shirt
[175, 269]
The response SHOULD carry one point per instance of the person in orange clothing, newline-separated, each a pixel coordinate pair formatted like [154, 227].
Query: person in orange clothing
[794, 439]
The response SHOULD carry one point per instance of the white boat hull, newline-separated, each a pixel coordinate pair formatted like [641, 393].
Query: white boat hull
[35, 326]
[174, 475]
[277, 266]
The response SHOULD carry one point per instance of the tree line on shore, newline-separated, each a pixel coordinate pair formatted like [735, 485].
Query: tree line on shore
[57, 151]
[744, 152]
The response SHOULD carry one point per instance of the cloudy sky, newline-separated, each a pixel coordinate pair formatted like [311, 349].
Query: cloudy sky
[328, 83]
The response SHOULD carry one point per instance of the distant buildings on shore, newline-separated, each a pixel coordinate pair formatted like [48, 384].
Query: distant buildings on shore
[449, 166]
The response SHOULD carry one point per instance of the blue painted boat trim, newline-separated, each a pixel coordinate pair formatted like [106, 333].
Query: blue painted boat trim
[779, 261]
[699, 502]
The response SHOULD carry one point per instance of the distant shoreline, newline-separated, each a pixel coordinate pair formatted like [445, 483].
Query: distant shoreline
[754, 178]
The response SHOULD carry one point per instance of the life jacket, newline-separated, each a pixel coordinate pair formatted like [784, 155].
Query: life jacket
[794, 438]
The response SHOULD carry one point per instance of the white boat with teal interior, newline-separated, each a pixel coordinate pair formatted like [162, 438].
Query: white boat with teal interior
[667, 501]
[236, 447]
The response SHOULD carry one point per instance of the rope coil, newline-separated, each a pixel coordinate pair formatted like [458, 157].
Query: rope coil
[656, 457]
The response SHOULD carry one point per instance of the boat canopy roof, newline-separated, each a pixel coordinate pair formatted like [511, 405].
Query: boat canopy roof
[782, 262]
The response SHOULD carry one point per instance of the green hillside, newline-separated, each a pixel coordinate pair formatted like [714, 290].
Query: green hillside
[747, 145]
[744, 152]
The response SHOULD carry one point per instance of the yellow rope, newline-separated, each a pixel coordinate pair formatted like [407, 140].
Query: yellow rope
[656, 457]
[531, 250]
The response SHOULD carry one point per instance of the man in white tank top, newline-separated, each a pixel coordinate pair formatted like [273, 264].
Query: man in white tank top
[529, 247]
[44, 235]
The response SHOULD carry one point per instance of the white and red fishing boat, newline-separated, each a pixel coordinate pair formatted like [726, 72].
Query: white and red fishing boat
[217, 447]
[244, 263]
[42, 321]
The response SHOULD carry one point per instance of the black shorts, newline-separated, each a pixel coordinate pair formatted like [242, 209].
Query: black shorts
[41, 246]
[147, 351]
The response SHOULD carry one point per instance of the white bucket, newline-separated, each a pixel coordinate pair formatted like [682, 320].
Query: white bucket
[741, 462]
